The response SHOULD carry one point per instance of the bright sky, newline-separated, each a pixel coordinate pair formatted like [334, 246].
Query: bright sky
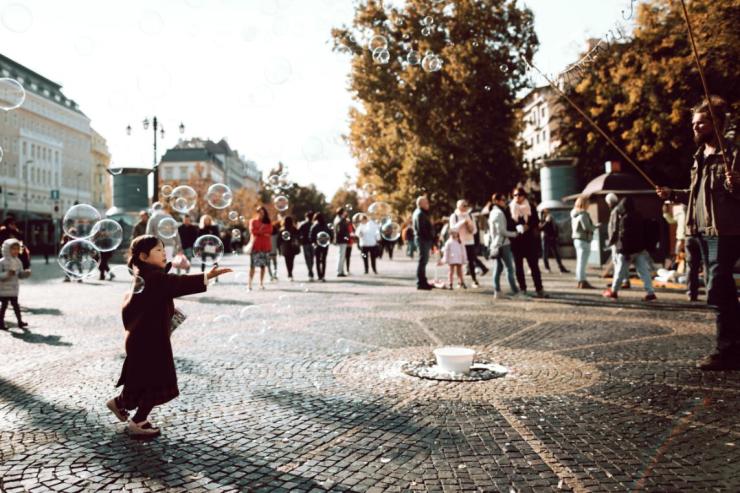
[259, 72]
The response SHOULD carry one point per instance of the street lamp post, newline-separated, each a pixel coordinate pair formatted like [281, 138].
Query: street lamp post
[155, 126]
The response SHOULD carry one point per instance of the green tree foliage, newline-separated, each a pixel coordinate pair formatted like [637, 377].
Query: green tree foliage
[449, 133]
[641, 90]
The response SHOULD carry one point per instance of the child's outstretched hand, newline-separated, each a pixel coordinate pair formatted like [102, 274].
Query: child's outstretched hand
[217, 271]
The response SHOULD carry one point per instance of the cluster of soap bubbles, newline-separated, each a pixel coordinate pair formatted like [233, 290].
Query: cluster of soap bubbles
[277, 184]
[381, 213]
[89, 235]
[430, 62]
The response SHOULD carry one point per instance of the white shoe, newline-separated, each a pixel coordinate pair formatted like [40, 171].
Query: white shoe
[142, 430]
[475, 285]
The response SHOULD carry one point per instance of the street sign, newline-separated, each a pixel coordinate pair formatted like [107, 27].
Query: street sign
[55, 195]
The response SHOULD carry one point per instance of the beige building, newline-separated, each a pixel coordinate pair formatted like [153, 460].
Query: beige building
[540, 136]
[48, 152]
[100, 188]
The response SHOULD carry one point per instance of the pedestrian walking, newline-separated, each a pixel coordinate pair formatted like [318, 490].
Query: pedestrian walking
[260, 231]
[501, 229]
[341, 237]
[188, 234]
[425, 236]
[148, 375]
[289, 244]
[408, 237]
[627, 233]
[550, 236]
[713, 208]
[9, 230]
[207, 227]
[304, 233]
[11, 270]
[526, 245]
[320, 250]
[140, 227]
[462, 221]
[350, 243]
[455, 255]
[368, 234]
[582, 233]
[104, 266]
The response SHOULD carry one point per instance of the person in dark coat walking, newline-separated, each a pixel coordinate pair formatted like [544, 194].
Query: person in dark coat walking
[526, 246]
[320, 250]
[424, 234]
[148, 375]
[304, 233]
[289, 244]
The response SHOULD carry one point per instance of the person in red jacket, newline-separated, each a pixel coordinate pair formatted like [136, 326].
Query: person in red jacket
[260, 229]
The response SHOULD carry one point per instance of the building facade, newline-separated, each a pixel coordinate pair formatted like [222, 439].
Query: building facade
[220, 164]
[48, 162]
[100, 187]
[540, 125]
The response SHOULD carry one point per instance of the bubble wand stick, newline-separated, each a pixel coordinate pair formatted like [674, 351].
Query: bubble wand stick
[593, 124]
[717, 133]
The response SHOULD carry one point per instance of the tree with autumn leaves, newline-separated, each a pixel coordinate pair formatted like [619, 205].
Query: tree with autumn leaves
[449, 133]
[641, 90]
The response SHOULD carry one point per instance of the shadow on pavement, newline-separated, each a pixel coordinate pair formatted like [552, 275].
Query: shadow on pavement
[31, 338]
[219, 301]
[173, 462]
[597, 301]
[42, 311]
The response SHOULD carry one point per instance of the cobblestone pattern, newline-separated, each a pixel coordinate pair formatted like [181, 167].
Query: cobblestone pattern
[302, 392]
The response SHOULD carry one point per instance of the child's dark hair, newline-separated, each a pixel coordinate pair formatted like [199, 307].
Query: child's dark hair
[141, 244]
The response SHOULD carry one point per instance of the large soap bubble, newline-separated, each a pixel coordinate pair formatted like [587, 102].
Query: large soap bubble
[80, 220]
[12, 94]
[281, 203]
[357, 218]
[167, 227]
[107, 235]
[209, 249]
[79, 258]
[183, 199]
[323, 239]
[219, 196]
[137, 285]
[379, 209]
[390, 231]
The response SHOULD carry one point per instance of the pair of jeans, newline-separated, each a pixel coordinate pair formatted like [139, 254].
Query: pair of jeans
[424, 247]
[583, 251]
[643, 266]
[696, 257]
[504, 259]
[533, 262]
[308, 257]
[341, 257]
[320, 256]
[369, 253]
[551, 245]
[348, 256]
[410, 248]
[722, 253]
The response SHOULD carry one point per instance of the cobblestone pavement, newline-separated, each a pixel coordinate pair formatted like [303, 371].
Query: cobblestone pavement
[299, 388]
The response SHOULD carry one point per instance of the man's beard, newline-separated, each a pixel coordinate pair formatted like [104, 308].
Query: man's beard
[701, 139]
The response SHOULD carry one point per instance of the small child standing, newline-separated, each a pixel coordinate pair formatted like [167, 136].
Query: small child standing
[148, 375]
[454, 255]
[11, 269]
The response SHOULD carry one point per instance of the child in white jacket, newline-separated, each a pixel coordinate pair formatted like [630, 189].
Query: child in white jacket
[455, 256]
[11, 269]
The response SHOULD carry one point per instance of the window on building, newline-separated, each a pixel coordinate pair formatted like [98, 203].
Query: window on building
[33, 150]
[543, 112]
[544, 136]
[25, 149]
[183, 172]
[538, 138]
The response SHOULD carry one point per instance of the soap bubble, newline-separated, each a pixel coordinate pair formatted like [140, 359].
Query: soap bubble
[379, 209]
[242, 219]
[79, 258]
[219, 196]
[209, 249]
[247, 312]
[431, 63]
[323, 239]
[12, 94]
[357, 218]
[157, 206]
[224, 319]
[273, 180]
[79, 220]
[137, 285]
[184, 199]
[426, 31]
[115, 171]
[427, 21]
[281, 203]
[503, 67]
[166, 190]
[107, 235]
[368, 188]
[381, 56]
[233, 216]
[413, 57]
[285, 235]
[378, 42]
[167, 227]
[123, 272]
[390, 231]
[348, 207]
[17, 18]
[236, 234]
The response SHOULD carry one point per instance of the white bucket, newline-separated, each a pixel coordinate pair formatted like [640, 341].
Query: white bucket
[454, 359]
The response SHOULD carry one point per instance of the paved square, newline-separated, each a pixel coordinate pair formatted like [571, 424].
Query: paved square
[299, 388]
